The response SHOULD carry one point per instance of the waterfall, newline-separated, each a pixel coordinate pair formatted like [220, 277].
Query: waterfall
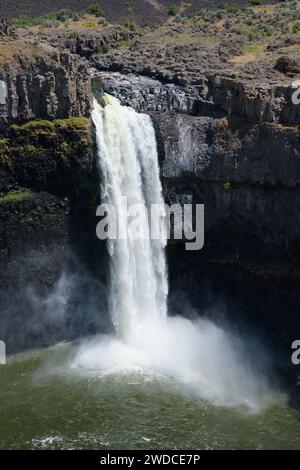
[194, 356]
[129, 165]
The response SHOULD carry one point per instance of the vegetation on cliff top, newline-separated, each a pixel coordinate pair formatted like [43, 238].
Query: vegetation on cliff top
[246, 24]
[41, 131]
[61, 137]
[54, 18]
[59, 154]
[250, 23]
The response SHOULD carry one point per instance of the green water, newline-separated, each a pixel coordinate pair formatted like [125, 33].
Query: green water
[45, 405]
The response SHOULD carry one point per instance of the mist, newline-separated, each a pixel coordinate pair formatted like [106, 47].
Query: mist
[41, 310]
[201, 358]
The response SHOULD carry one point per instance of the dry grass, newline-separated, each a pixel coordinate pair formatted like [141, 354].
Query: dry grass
[9, 49]
[251, 54]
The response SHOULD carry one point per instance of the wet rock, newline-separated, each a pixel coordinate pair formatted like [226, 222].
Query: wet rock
[146, 94]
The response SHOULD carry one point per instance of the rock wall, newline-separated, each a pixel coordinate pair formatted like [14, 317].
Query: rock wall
[30, 220]
[228, 150]
[238, 152]
[49, 189]
[37, 81]
[51, 287]
[232, 138]
[251, 232]
[263, 103]
[215, 95]
[87, 43]
[147, 94]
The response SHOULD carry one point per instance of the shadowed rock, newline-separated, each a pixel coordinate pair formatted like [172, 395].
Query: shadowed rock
[287, 65]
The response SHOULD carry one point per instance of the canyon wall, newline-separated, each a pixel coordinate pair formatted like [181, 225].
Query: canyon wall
[38, 81]
[49, 189]
[223, 142]
[237, 151]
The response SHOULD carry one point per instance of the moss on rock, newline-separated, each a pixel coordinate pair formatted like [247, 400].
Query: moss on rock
[16, 196]
[61, 138]
[5, 153]
[43, 132]
[53, 156]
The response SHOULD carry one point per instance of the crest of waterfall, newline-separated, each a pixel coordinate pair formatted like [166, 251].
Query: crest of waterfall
[129, 165]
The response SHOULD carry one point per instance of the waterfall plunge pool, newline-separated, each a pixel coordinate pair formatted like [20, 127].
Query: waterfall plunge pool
[46, 403]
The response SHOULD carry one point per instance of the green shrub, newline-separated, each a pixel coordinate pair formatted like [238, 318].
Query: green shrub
[65, 15]
[129, 8]
[131, 25]
[90, 24]
[238, 30]
[173, 10]
[73, 35]
[229, 186]
[296, 28]
[95, 9]
[103, 21]
[21, 22]
[252, 36]
[232, 9]
[49, 24]
[16, 195]
[48, 20]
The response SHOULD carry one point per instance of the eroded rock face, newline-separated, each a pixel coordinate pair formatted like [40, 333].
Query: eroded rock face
[47, 170]
[229, 146]
[227, 134]
[227, 149]
[25, 214]
[40, 82]
[264, 103]
[49, 188]
[251, 232]
[88, 43]
[216, 96]
[146, 94]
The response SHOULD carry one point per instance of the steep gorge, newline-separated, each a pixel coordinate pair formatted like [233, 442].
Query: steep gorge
[224, 143]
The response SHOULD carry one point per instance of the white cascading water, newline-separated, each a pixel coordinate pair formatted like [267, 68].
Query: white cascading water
[129, 163]
[201, 357]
